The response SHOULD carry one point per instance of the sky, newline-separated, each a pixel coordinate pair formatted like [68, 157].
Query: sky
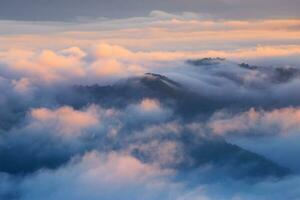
[62, 10]
[140, 99]
[225, 28]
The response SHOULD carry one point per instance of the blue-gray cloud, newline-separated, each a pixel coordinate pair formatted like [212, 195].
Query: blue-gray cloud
[72, 9]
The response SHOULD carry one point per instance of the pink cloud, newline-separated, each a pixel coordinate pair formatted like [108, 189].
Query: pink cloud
[282, 121]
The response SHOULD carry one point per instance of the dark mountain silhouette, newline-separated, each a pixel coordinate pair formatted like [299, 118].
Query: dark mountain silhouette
[171, 93]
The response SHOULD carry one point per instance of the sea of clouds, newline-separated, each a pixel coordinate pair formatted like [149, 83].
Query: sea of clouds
[56, 143]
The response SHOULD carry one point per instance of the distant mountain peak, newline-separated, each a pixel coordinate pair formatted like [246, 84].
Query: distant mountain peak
[161, 78]
[247, 66]
[149, 74]
[205, 61]
[277, 74]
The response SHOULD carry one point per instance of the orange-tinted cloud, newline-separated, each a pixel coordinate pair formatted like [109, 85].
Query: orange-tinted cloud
[64, 121]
